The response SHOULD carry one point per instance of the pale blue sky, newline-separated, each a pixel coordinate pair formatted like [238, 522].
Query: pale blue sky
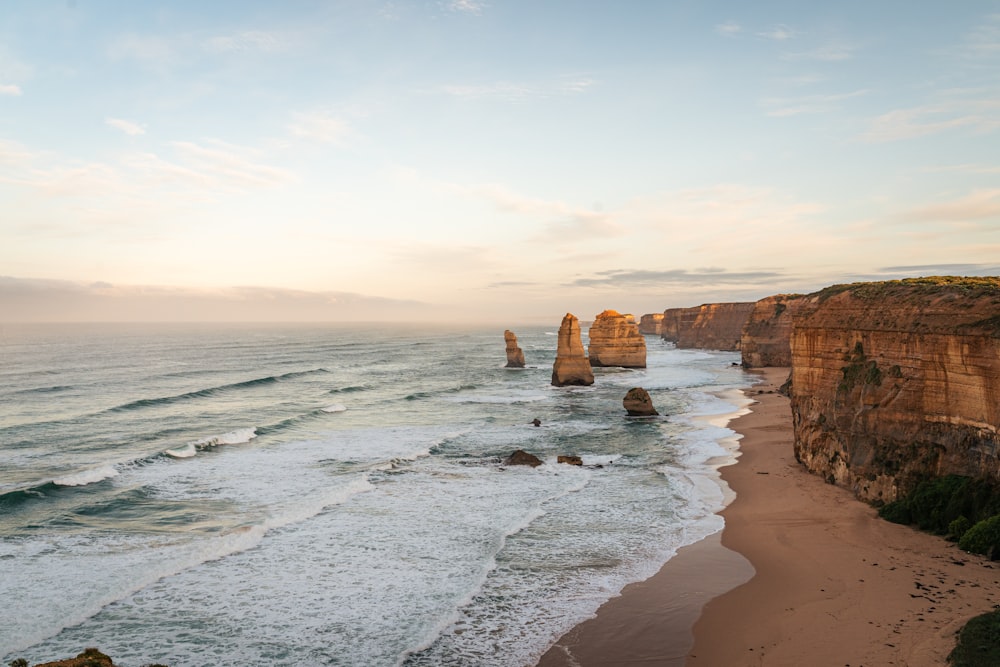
[501, 160]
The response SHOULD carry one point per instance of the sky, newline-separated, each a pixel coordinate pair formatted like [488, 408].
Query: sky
[486, 160]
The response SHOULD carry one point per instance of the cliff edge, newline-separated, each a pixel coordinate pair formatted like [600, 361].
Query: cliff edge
[895, 382]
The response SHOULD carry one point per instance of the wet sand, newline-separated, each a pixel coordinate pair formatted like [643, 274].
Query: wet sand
[830, 582]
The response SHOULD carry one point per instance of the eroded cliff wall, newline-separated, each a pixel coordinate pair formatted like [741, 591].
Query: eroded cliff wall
[670, 324]
[767, 334]
[651, 323]
[712, 326]
[898, 381]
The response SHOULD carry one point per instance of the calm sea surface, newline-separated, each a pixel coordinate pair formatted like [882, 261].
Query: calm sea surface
[333, 495]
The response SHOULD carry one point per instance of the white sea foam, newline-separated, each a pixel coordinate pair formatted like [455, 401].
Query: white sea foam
[237, 437]
[184, 452]
[87, 476]
[336, 407]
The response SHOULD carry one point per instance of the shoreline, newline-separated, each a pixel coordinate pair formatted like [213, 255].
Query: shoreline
[832, 584]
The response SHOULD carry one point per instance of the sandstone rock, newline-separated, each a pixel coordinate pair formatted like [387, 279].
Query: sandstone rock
[515, 356]
[570, 460]
[638, 403]
[767, 334]
[523, 458]
[651, 324]
[710, 326]
[898, 381]
[615, 341]
[90, 657]
[571, 366]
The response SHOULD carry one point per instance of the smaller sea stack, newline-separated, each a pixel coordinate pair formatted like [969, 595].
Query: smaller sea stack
[515, 355]
[638, 403]
[615, 341]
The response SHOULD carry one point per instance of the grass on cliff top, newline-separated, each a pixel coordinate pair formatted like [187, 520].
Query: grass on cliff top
[970, 286]
[978, 642]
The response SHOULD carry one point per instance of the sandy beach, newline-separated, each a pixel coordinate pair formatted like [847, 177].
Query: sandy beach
[802, 574]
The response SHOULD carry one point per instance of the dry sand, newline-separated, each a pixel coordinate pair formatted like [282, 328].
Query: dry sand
[831, 585]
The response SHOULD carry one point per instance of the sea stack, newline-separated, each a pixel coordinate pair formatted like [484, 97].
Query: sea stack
[638, 403]
[571, 366]
[515, 355]
[615, 341]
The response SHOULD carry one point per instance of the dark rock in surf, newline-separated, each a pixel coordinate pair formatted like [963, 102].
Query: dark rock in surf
[523, 458]
[570, 460]
[638, 403]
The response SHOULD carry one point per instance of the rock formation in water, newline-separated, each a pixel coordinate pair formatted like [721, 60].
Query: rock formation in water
[899, 381]
[90, 657]
[651, 323]
[615, 341]
[571, 366]
[767, 334]
[570, 460]
[711, 326]
[522, 458]
[515, 356]
[638, 403]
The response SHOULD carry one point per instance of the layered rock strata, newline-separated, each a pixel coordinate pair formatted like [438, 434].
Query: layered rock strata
[896, 382]
[515, 355]
[651, 323]
[767, 333]
[615, 341]
[710, 326]
[637, 403]
[571, 366]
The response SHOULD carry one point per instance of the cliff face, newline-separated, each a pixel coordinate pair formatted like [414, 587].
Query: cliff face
[671, 324]
[651, 323]
[571, 366]
[615, 341]
[712, 326]
[894, 382]
[767, 334]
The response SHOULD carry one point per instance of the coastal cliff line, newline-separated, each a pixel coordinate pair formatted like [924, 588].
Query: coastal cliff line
[896, 382]
[714, 326]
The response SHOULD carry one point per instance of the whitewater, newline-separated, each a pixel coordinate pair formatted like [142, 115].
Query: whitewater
[335, 494]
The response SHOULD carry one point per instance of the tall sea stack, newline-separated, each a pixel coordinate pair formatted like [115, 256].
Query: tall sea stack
[515, 355]
[571, 366]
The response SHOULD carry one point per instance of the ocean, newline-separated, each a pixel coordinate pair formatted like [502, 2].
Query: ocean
[335, 494]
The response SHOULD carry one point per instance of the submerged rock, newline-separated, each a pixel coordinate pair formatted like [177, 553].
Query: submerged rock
[523, 458]
[571, 366]
[515, 355]
[570, 460]
[638, 403]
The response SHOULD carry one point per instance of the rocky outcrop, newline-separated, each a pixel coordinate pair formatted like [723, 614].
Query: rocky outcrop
[522, 458]
[767, 334]
[898, 381]
[711, 326]
[638, 403]
[651, 324]
[90, 657]
[571, 366]
[515, 356]
[615, 341]
[569, 459]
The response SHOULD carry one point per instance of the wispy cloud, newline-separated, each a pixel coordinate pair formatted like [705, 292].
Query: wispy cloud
[729, 28]
[244, 42]
[519, 92]
[944, 270]
[831, 52]
[467, 6]
[978, 205]
[126, 126]
[983, 42]
[320, 126]
[808, 104]
[231, 164]
[978, 113]
[10, 89]
[152, 50]
[778, 33]
[624, 278]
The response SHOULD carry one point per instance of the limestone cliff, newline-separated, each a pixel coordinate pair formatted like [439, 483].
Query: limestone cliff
[515, 355]
[651, 323]
[898, 381]
[767, 334]
[571, 366]
[711, 326]
[615, 341]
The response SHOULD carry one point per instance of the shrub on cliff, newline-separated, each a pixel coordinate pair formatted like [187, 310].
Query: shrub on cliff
[978, 642]
[983, 538]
